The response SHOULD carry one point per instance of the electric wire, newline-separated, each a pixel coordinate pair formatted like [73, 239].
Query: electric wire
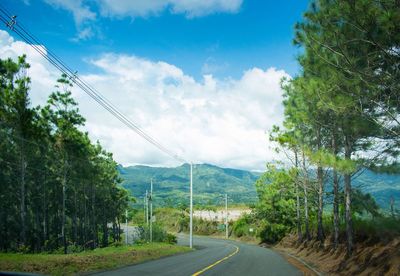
[61, 66]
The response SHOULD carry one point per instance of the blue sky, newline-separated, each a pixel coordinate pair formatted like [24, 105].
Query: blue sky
[257, 34]
[200, 76]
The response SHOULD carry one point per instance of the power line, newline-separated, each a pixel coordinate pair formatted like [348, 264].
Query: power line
[13, 25]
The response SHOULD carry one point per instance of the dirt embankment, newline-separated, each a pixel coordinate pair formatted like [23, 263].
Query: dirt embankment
[368, 258]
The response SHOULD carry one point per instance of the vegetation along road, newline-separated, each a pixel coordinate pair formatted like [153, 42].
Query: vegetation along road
[214, 257]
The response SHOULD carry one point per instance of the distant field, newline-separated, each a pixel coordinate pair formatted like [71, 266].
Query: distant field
[219, 215]
[89, 261]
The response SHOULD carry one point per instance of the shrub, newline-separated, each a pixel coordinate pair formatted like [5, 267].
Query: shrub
[159, 234]
[73, 248]
[117, 244]
[240, 227]
[273, 232]
[376, 229]
[171, 239]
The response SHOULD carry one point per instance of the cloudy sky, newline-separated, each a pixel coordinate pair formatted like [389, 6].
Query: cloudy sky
[200, 76]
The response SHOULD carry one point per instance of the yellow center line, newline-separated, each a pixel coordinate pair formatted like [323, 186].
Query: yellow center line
[217, 262]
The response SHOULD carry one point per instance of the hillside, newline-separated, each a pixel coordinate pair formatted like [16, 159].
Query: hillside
[171, 185]
[381, 187]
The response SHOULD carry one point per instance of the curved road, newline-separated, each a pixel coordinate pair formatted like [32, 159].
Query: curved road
[214, 257]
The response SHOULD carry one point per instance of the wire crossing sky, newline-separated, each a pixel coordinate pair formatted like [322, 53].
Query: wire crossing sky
[204, 73]
[10, 21]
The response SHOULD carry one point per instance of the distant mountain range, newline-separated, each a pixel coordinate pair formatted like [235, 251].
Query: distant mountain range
[210, 183]
[171, 185]
[381, 186]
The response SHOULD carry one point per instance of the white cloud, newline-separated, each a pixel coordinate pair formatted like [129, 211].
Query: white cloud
[219, 121]
[83, 34]
[140, 8]
[191, 8]
[41, 72]
[79, 11]
[83, 16]
[211, 66]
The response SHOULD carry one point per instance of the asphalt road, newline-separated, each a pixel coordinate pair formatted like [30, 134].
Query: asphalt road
[214, 257]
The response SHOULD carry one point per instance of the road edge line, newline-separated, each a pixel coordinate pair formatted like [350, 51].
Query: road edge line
[301, 261]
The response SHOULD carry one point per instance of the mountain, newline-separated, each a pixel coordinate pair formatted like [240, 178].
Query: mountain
[381, 186]
[210, 183]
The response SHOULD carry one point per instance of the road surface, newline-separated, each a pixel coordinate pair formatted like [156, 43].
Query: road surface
[214, 257]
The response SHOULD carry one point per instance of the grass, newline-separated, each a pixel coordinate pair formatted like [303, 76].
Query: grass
[88, 261]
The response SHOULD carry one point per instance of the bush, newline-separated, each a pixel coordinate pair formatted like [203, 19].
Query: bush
[159, 234]
[241, 227]
[171, 239]
[23, 249]
[204, 227]
[183, 223]
[273, 232]
[376, 229]
[117, 244]
[73, 248]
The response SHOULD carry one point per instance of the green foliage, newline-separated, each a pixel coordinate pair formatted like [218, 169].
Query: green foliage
[205, 227]
[58, 189]
[242, 226]
[276, 206]
[342, 110]
[171, 239]
[273, 232]
[364, 203]
[159, 234]
[383, 228]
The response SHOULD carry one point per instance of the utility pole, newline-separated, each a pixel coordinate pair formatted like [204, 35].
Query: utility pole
[147, 208]
[191, 207]
[144, 208]
[226, 215]
[151, 210]
[126, 226]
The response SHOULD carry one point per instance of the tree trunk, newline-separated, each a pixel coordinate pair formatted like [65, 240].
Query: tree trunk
[38, 237]
[320, 230]
[22, 197]
[105, 231]
[299, 232]
[348, 216]
[85, 219]
[63, 219]
[335, 196]
[94, 222]
[320, 179]
[306, 216]
[119, 229]
[114, 232]
[44, 210]
[75, 218]
[335, 208]
[392, 206]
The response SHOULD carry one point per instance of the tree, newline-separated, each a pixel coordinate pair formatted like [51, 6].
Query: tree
[65, 117]
[65, 184]
[276, 207]
[342, 73]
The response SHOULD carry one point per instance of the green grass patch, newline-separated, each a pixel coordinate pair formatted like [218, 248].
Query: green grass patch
[98, 259]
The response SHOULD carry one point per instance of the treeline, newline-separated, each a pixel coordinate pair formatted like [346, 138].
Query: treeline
[58, 190]
[342, 110]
